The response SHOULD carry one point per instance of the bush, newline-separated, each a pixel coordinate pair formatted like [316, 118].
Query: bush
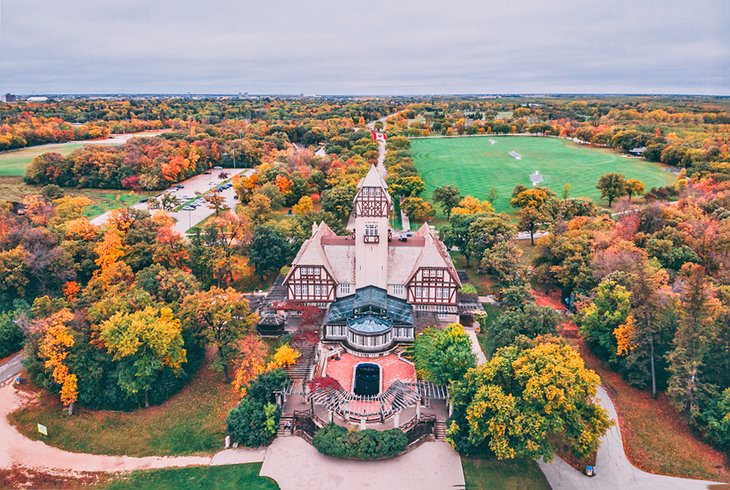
[254, 421]
[336, 441]
[11, 337]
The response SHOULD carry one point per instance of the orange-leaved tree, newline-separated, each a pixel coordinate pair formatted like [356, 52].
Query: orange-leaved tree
[55, 345]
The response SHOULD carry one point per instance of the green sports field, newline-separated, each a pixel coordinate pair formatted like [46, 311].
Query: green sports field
[475, 165]
[13, 162]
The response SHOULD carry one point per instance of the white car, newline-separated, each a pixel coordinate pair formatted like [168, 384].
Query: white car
[188, 208]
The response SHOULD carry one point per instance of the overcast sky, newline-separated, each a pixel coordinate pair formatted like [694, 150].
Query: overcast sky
[365, 47]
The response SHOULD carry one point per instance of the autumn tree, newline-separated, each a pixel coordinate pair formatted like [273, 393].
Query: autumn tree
[530, 219]
[417, 208]
[250, 361]
[304, 206]
[524, 400]
[448, 197]
[599, 318]
[504, 261]
[57, 339]
[338, 201]
[144, 343]
[486, 231]
[220, 317]
[216, 202]
[634, 187]
[531, 198]
[472, 205]
[409, 186]
[612, 186]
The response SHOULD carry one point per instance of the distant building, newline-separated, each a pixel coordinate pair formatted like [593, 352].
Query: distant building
[37, 99]
[637, 152]
[9, 97]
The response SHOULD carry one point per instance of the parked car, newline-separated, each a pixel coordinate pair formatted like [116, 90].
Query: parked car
[144, 200]
[217, 168]
[188, 208]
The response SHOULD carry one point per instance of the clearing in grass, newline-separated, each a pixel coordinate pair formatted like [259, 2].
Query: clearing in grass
[475, 165]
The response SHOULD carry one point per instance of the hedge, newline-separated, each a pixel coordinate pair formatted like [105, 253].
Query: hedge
[334, 440]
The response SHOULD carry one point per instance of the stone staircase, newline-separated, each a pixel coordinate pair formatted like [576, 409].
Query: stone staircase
[440, 430]
[283, 431]
[301, 369]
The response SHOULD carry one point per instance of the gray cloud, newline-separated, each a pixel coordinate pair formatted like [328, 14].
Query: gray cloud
[374, 47]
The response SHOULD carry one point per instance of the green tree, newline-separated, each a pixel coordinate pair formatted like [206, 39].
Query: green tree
[220, 317]
[447, 197]
[524, 401]
[269, 251]
[143, 343]
[612, 186]
[410, 186]
[338, 201]
[504, 261]
[486, 231]
[601, 316]
[456, 234]
[444, 355]
[531, 320]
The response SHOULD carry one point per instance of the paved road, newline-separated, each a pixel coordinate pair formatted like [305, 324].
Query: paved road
[12, 367]
[614, 470]
[295, 464]
[199, 184]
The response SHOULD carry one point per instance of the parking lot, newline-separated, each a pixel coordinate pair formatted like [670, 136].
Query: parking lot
[190, 189]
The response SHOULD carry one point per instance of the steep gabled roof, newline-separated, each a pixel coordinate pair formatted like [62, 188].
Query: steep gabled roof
[433, 254]
[312, 251]
[372, 179]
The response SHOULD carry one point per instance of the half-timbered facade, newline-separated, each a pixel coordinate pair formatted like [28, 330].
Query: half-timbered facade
[413, 268]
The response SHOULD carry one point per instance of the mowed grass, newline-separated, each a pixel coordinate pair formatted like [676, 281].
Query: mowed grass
[489, 474]
[238, 476]
[475, 165]
[191, 422]
[103, 200]
[13, 163]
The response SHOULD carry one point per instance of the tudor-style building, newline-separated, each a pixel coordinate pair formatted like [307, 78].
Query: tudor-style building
[373, 283]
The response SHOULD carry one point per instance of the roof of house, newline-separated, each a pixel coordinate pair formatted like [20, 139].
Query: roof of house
[360, 305]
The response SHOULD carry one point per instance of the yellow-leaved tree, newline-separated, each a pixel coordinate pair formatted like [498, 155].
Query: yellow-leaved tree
[148, 341]
[55, 344]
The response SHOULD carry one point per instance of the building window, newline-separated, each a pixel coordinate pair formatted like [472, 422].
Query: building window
[398, 289]
[309, 271]
[298, 290]
[371, 229]
[344, 288]
[319, 290]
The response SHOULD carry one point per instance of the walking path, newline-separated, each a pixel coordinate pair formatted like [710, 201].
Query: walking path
[16, 449]
[295, 464]
[614, 470]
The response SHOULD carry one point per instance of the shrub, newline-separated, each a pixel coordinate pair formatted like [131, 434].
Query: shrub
[336, 441]
[254, 421]
[468, 289]
[11, 337]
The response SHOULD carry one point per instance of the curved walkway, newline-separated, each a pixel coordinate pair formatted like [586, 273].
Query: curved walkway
[18, 450]
[614, 471]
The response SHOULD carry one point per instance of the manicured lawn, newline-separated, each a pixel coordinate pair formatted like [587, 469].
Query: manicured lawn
[14, 162]
[204, 477]
[13, 189]
[656, 437]
[489, 474]
[193, 421]
[475, 165]
[104, 200]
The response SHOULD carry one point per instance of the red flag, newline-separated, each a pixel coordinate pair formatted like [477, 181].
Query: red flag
[379, 136]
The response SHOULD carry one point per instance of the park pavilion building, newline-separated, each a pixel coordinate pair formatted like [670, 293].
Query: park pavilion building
[374, 284]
